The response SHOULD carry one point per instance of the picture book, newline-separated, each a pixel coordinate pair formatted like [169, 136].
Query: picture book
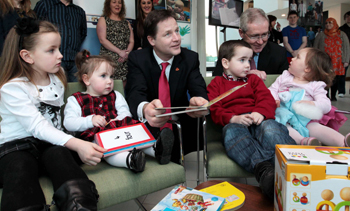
[184, 198]
[200, 108]
[234, 198]
[124, 138]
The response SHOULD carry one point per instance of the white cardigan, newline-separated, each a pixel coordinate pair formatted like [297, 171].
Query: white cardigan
[29, 110]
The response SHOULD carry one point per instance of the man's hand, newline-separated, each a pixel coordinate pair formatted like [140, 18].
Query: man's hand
[197, 101]
[346, 64]
[257, 118]
[260, 74]
[99, 121]
[243, 119]
[149, 112]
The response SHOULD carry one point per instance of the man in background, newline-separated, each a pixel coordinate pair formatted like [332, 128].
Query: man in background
[71, 22]
[269, 57]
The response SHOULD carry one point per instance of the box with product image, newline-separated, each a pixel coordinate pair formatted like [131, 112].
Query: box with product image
[312, 178]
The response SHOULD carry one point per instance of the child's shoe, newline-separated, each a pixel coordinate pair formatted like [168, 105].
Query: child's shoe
[164, 146]
[311, 141]
[137, 160]
[347, 140]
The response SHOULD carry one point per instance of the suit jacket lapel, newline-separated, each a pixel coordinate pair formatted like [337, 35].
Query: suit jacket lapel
[155, 72]
[175, 75]
[264, 57]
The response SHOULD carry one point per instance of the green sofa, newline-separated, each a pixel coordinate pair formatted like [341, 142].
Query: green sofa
[116, 185]
[216, 163]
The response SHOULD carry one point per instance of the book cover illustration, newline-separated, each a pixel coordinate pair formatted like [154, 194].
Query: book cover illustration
[184, 198]
[124, 138]
[234, 198]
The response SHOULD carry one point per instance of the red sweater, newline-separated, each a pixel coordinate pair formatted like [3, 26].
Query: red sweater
[254, 97]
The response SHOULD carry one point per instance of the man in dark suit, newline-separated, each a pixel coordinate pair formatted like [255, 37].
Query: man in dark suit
[182, 74]
[269, 58]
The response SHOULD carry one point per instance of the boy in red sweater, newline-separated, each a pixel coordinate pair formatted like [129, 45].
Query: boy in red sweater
[250, 132]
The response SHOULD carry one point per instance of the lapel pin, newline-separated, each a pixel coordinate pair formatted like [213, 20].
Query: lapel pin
[177, 69]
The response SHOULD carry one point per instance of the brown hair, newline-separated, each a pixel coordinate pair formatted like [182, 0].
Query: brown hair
[141, 18]
[152, 20]
[227, 51]
[12, 65]
[87, 64]
[7, 6]
[320, 64]
[106, 12]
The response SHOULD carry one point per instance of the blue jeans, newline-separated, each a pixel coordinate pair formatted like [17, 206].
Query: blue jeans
[248, 146]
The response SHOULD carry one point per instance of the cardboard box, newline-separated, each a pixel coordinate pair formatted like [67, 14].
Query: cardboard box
[312, 178]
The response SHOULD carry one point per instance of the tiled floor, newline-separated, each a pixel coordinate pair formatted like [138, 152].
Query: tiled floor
[150, 200]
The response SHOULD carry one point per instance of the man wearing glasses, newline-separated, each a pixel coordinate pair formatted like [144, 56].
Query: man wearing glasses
[269, 58]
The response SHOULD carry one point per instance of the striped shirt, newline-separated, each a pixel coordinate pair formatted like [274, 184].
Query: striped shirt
[71, 22]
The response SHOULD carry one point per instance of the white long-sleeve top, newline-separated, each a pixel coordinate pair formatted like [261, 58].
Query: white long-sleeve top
[314, 90]
[29, 110]
[73, 121]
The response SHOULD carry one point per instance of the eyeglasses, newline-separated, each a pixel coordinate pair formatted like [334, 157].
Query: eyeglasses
[330, 22]
[264, 36]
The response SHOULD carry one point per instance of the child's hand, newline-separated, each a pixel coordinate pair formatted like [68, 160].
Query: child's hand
[244, 119]
[88, 152]
[257, 118]
[99, 121]
[278, 103]
[306, 101]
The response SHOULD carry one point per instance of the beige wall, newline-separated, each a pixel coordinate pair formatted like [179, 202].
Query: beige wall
[34, 3]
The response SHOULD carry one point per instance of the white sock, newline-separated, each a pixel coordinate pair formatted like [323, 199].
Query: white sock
[149, 151]
[118, 160]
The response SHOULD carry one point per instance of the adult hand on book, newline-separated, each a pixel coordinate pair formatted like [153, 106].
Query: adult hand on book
[150, 113]
[197, 101]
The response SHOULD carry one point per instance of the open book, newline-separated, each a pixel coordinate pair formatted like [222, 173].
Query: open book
[200, 108]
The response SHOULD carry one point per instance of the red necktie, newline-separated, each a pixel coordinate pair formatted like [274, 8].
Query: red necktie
[164, 92]
[252, 64]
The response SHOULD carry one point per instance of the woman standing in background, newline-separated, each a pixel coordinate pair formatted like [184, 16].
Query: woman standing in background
[116, 36]
[143, 8]
[10, 10]
[336, 44]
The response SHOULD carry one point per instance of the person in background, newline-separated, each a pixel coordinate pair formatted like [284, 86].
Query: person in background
[310, 37]
[319, 11]
[250, 132]
[294, 36]
[302, 10]
[275, 36]
[32, 85]
[71, 20]
[143, 8]
[319, 29]
[346, 29]
[162, 76]
[293, 6]
[269, 57]
[335, 43]
[10, 10]
[116, 36]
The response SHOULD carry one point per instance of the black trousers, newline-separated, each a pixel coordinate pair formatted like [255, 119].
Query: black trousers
[20, 170]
